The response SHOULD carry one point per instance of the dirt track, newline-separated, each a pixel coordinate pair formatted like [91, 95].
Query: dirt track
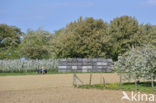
[56, 88]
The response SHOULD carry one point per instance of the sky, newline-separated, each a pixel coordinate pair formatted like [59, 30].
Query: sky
[53, 15]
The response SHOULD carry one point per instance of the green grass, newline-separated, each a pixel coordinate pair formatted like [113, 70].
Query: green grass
[35, 73]
[32, 72]
[142, 86]
[24, 73]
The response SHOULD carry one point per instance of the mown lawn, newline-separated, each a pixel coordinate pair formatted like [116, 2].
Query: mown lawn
[23, 73]
[16, 73]
[35, 73]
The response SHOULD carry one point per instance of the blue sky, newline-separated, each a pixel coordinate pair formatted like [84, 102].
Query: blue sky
[52, 15]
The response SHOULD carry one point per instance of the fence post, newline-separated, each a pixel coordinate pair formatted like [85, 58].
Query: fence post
[129, 77]
[101, 77]
[74, 79]
[120, 80]
[90, 80]
[152, 80]
[104, 82]
[136, 86]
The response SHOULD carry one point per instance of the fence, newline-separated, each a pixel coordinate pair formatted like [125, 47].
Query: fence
[85, 65]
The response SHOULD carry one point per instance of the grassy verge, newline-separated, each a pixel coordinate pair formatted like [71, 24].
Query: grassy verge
[35, 73]
[23, 73]
[142, 86]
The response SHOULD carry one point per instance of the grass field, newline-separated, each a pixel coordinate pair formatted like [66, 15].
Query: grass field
[142, 87]
[24, 73]
[57, 88]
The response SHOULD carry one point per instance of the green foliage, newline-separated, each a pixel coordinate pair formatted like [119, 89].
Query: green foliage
[9, 41]
[124, 33]
[83, 38]
[152, 36]
[139, 62]
[35, 45]
[95, 38]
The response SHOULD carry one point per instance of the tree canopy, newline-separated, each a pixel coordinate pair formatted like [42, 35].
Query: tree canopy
[83, 38]
[9, 41]
[124, 33]
[35, 45]
[95, 38]
[140, 62]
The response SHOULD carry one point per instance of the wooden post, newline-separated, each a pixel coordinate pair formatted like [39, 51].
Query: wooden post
[136, 86]
[104, 82]
[101, 77]
[129, 77]
[90, 80]
[152, 82]
[74, 78]
[120, 81]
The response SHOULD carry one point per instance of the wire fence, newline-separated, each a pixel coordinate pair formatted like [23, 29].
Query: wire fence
[123, 81]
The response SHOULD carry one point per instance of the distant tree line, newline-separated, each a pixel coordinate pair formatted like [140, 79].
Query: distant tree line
[83, 38]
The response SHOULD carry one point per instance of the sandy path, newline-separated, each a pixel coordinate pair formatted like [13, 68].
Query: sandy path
[56, 88]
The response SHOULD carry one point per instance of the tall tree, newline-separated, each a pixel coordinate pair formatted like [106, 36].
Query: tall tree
[35, 44]
[152, 35]
[124, 35]
[139, 62]
[82, 38]
[9, 41]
